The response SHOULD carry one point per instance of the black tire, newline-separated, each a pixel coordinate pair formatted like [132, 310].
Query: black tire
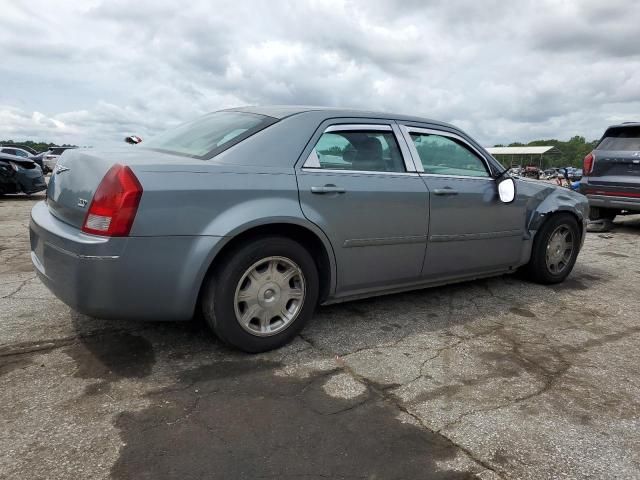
[217, 301]
[537, 269]
[599, 213]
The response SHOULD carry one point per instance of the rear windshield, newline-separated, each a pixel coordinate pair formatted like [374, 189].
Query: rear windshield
[625, 138]
[209, 135]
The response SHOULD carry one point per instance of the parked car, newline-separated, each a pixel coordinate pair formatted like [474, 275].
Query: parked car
[611, 173]
[51, 156]
[576, 176]
[25, 153]
[20, 174]
[256, 215]
[531, 171]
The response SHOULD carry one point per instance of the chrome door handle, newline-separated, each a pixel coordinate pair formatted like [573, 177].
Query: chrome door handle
[327, 189]
[445, 191]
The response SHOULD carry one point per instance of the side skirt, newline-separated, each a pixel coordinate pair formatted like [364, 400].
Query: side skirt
[378, 292]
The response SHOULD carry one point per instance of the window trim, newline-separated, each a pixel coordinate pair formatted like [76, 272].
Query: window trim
[408, 130]
[312, 163]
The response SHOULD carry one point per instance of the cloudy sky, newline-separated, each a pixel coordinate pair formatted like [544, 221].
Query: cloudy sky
[90, 72]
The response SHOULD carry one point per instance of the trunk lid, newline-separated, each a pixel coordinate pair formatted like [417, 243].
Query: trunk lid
[79, 172]
[616, 161]
[615, 166]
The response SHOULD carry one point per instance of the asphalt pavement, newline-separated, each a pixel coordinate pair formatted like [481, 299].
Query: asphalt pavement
[490, 379]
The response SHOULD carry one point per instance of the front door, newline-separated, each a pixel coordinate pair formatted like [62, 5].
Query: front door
[471, 230]
[355, 185]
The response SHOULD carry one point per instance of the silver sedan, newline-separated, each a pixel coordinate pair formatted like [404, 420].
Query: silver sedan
[256, 215]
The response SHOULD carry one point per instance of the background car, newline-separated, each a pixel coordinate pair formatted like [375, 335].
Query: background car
[51, 156]
[256, 215]
[25, 152]
[20, 174]
[611, 173]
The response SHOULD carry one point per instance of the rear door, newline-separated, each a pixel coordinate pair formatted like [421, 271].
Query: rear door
[470, 230]
[358, 184]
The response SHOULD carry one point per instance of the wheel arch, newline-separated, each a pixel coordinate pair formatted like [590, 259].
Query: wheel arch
[308, 235]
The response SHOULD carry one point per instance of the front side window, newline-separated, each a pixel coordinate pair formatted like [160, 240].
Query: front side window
[363, 150]
[445, 156]
[209, 135]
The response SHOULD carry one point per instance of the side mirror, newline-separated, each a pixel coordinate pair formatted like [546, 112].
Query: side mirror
[507, 189]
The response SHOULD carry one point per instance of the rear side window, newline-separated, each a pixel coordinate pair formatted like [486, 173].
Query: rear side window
[625, 138]
[445, 156]
[209, 135]
[362, 150]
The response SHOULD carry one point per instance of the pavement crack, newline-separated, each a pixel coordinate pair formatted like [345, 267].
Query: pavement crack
[390, 399]
[27, 348]
[20, 287]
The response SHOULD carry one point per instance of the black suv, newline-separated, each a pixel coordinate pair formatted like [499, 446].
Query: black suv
[611, 173]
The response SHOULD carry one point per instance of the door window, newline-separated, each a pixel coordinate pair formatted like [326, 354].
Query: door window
[447, 156]
[363, 150]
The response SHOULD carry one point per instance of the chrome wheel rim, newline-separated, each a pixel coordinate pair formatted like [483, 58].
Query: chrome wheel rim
[269, 296]
[559, 249]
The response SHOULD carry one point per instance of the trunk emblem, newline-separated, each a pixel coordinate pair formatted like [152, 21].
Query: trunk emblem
[61, 169]
[82, 202]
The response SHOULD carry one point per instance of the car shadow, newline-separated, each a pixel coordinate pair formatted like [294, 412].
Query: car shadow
[627, 224]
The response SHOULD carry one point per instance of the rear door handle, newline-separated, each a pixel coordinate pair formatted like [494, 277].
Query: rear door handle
[327, 189]
[445, 191]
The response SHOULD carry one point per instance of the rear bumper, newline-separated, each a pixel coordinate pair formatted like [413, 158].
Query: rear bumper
[606, 201]
[145, 278]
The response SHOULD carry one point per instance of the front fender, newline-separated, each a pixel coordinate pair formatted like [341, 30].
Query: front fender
[545, 199]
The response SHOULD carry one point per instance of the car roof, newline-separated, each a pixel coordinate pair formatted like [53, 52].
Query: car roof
[283, 111]
[624, 125]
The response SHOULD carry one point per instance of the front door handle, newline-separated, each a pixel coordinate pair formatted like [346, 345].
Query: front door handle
[445, 191]
[327, 189]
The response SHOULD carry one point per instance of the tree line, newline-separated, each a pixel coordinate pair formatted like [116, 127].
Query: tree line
[37, 146]
[572, 151]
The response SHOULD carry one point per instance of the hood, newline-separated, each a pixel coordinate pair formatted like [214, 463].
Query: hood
[15, 159]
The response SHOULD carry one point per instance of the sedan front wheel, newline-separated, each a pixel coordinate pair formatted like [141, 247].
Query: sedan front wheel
[555, 249]
[262, 294]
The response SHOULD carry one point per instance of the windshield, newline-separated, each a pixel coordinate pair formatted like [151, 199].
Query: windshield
[209, 135]
[625, 138]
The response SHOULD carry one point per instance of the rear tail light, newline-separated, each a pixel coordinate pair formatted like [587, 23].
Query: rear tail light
[114, 204]
[587, 164]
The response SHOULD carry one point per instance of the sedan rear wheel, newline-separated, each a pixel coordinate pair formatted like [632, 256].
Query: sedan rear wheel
[269, 296]
[262, 294]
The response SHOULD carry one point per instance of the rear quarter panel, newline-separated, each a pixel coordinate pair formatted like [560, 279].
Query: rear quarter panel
[213, 200]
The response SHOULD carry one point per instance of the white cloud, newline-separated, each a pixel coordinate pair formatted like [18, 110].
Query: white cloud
[92, 72]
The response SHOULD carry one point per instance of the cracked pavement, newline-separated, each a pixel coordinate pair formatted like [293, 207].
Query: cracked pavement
[490, 379]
